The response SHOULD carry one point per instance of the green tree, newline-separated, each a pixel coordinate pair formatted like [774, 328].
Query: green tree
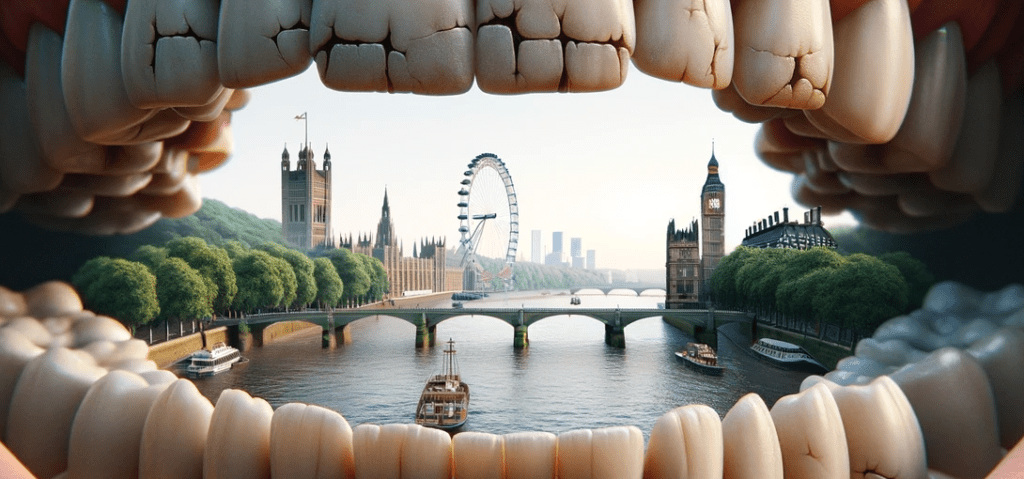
[259, 283]
[288, 281]
[915, 273]
[378, 277]
[723, 280]
[329, 286]
[211, 262]
[863, 292]
[352, 273]
[121, 289]
[183, 292]
[234, 248]
[302, 267]
[149, 255]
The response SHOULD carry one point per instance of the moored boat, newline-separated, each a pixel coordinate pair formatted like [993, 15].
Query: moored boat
[444, 402]
[787, 355]
[207, 362]
[701, 357]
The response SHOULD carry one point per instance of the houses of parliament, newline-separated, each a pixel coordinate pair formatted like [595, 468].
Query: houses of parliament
[688, 268]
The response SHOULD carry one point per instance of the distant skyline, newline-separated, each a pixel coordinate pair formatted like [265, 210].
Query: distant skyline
[610, 167]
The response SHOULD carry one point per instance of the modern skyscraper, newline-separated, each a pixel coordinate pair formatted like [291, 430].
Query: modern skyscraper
[576, 247]
[305, 199]
[536, 250]
[591, 259]
[556, 242]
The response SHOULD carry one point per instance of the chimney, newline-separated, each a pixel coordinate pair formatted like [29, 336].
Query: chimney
[776, 217]
[817, 214]
[807, 217]
[785, 215]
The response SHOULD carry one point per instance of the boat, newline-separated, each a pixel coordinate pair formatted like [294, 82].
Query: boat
[575, 300]
[444, 403]
[787, 355]
[209, 362]
[701, 357]
[457, 305]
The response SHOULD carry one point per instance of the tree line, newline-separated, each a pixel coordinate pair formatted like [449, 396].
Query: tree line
[187, 279]
[818, 288]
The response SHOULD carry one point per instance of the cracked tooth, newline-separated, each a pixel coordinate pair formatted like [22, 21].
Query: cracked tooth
[784, 53]
[24, 170]
[170, 447]
[870, 93]
[750, 442]
[43, 406]
[691, 42]
[15, 353]
[959, 429]
[169, 53]
[238, 444]
[530, 455]
[310, 442]
[1001, 192]
[685, 442]
[478, 455]
[811, 434]
[1002, 356]
[729, 100]
[611, 452]
[420, 47]
[377, 450]
[258, 43]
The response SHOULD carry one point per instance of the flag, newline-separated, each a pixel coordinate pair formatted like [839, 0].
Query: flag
[301, 117]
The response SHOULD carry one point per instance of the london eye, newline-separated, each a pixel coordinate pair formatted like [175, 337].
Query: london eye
[488, 223]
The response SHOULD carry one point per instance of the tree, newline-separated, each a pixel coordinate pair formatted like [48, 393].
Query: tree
[302, 267]
[149, 255]
[352, 273]
[919, 280]
[259, 284]
[723, 280]
[378, 277]
[121, 289]
[288, 282]
[211, 262]
[234, 248]
[182, 291]
[328, 284]
[862, 293]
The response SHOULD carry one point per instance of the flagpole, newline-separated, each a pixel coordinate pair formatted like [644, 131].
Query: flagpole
[305, 121]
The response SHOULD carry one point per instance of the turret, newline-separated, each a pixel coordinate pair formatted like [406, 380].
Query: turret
[285, 157]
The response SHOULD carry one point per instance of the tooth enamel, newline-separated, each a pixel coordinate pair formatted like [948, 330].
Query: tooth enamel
[24, 170]
[90, 329]
[1001, 193]
[11, 303]
[864, 366]
[729, 100]
[59, 202]
[15, 352]
[530, 455]
[104, 442]
[52, 298]
[784, 53]
[107, 185]
[377, 450]
[892, 352]
[611, 452]
[750, 442]
[263, 42]
[209, 111]
[310, 442]
[183, 202]
[31, 330]
[595, 67]
[169, 53]
[1002, 356]
[952, 298]
[959, 429]
[972, 163]
[811, 434]
[172, 448]
[685, 442]
[780, 148]
[168, 175]
[238, 444]
[848, 378]
[870, 93]
[426, 453]
[685, 42]
[1006, 301]
[478, 455]
[429, 47]
[976, 330]
[43, 406]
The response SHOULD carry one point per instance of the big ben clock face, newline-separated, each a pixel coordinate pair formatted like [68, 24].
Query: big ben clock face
[714, 203]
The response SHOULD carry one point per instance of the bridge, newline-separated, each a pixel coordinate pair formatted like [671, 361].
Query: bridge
[335, 324]
[638, 288]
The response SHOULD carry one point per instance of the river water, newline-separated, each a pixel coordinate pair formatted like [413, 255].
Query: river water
[567, 378]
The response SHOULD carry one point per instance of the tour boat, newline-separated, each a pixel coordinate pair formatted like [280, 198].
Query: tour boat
[575, 300]
[786, 354]
[444, 402]
[209, 362]
[701, 357]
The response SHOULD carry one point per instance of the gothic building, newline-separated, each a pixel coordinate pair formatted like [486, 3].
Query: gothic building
[773, 232]
[682, 267]
[305, 199]
[712, 200]
[688, 265]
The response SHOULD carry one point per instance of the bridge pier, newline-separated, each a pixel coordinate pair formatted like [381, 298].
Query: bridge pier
[424, 333]
[521, 339]
[614, 336]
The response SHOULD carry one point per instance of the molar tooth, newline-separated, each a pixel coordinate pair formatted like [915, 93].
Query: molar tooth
[478, 455]
[685, 442]
[780, 148]
[15, 352]
[310, 442]
[811, 434]
[729, 100]
[892, 352]
[595, 67]
[530, 455]
[258, 43]
[378, 449]
[1008, 300]
[933, 202]
[1002, 356]
[207, 111]
[24, 170]
[91, 328]
[31, 329]
[750, 441]
[864, 366]
[870, 93]
[171, 447]
[882, 185]
[109, 216]
[950, 297]
[784, 56]
[680, 41]
[612, 452]
[52, 298]
[12, 303]
[238, 444]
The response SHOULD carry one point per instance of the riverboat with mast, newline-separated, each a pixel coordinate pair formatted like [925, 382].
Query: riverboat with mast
[701, 357]
[444, 402]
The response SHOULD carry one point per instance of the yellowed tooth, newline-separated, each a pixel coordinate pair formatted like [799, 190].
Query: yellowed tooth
[811, 435]
[870, 93]
[377, 450]
[530, 455]
[169, 53]
[172, 448]
[43, 408]
[238, 444]
[310, 442]
[104, 442]
[611, 452]
[478, 455]
[685, 442]
[784, 53]
[263, 42]
[24, 170]
[750, 442]
[1002, 191]
[1002, 356]
[688, 42]
[52, 298]
[15, 352]
[426, 453]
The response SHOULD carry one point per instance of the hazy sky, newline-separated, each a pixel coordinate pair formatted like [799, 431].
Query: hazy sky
[611, 168]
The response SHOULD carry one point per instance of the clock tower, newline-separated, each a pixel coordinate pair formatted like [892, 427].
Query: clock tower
[712, 205]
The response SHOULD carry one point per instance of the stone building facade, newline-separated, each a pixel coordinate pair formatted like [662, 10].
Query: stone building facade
[305, 199]
[682, 267]
[776, 232]
[690, 261]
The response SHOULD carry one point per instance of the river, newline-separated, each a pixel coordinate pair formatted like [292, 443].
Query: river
[567, 378]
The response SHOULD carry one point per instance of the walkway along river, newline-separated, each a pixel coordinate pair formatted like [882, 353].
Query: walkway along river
[567, 378]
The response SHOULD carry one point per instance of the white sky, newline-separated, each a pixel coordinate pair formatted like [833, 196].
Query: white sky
[611, 168]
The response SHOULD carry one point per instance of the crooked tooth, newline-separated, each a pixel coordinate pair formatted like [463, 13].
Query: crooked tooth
[43, 406]
[24, 170]
[750, 442]
[104, 442]
[960, 429]
[15, 352]
[310, 442]
[169, 53]
[172, 448]
[530, 455]
[870, 93]
[811, 434]
[784, 53]
[611, 452]
[685, 442]
[377, 450]
[1002, 356]
[679, 41]
[238, 444]
[478, 455]
[262, 42]
[419, 47]
[1002, 191]
[426, 453]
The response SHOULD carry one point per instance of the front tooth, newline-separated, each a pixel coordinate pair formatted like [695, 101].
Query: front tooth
[750, 442]
[43, 407]
[426, 453]
[530, 455]
[21, 161]
[15, 352]
[171, 447]
[1001, 193]
[811, 434]
[1002, 356]
[421, 47]
[959, 429]
[685, 442]
[478, 455]
[310, 442]
[169, 53]
[870, 93]
[685, 42]
[611, 452]
[263, 42]
[108, 427]
[238, 444]
[784, 53]
[377, 450]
